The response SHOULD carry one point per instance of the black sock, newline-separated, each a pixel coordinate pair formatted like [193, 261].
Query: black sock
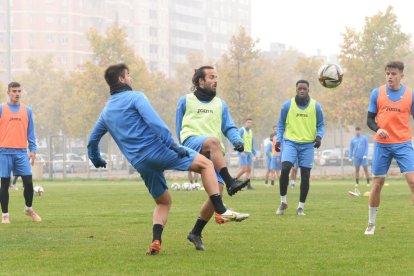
[304, 183]
[157, 232]
[357, 181]
[367, 180]
[266, 181]
[284, 177]
[272, 182]
[28, 190]
[218, 203]
[199, 226]
[224, 173]
[191, 181]
[4, 194]
[15, 180]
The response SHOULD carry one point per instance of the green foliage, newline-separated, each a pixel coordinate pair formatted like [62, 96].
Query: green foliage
[363, 56]
[83, 234]
[43, 86]
[88, 85]
[241, 72]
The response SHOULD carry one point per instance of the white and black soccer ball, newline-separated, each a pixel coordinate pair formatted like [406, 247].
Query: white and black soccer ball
[175, 187]
[38, 190]
[196, 186]
[330, 75]
[187, 186]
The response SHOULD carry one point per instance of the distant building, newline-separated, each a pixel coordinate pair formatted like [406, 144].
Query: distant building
[162, 32]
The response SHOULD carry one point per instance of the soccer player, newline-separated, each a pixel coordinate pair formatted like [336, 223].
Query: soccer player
[268, 150]
[249, 153]
[301, 126]
[358, 153]
[147, 143]
[201, 119]
[389, 111]
[16, 132]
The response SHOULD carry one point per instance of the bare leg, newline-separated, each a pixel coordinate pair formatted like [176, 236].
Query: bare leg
[212, 149]
[410, 180]
[375, 195]
[366, 173]
[162, 209]
[205, 167]
[243, 170]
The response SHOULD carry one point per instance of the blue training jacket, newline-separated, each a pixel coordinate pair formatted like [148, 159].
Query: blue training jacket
[134, 125]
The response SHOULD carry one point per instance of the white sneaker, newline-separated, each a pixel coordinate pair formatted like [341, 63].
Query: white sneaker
[230, 215]
[281, 210]
[354, 193]
[300, 212]
[370, 229]
[14, 187]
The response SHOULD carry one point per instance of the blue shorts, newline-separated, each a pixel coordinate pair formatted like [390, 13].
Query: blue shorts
[196, 143]
[153, 167]
[360, 162]
[18, 163]
[247, 160]
[268, 163]
[302, 153]
[275, 165]
[403, 153]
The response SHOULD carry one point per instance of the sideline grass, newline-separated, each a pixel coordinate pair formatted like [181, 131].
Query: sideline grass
[104, 228]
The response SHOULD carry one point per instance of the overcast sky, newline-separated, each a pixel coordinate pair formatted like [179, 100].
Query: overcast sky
[312, 25]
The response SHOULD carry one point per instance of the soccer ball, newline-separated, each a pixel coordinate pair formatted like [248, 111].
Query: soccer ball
[187, 186]
[175, 187]
[330, 75]
[38, 190]
[196, 186]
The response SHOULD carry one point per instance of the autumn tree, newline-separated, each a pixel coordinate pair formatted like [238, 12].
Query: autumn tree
[87, 90]
[241, 73]
[43, 87]
[363, 57]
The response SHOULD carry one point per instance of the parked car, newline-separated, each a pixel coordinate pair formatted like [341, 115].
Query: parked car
[73, 163]
[329, 157]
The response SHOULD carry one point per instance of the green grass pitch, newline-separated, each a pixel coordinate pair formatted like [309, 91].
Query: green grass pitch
[105, 227]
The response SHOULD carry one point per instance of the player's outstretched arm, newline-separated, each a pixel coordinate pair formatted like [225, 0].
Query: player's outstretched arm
[94, 153]
[320, 122]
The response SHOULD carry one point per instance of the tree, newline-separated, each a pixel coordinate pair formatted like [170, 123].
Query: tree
[241, 72]
[43, 87]
[363, 57]
[88, 86]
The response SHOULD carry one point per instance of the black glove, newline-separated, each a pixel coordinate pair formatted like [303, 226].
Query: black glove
[99, 163]
[317, 142]
[277, 147]
[239, 147]
[181, 152]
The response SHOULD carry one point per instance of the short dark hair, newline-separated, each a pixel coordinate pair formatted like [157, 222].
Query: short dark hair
[302, 81]
[13, 84]
[357, 128]
[200, 73]
[395, 64]
[113, 72]
[249, 119]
